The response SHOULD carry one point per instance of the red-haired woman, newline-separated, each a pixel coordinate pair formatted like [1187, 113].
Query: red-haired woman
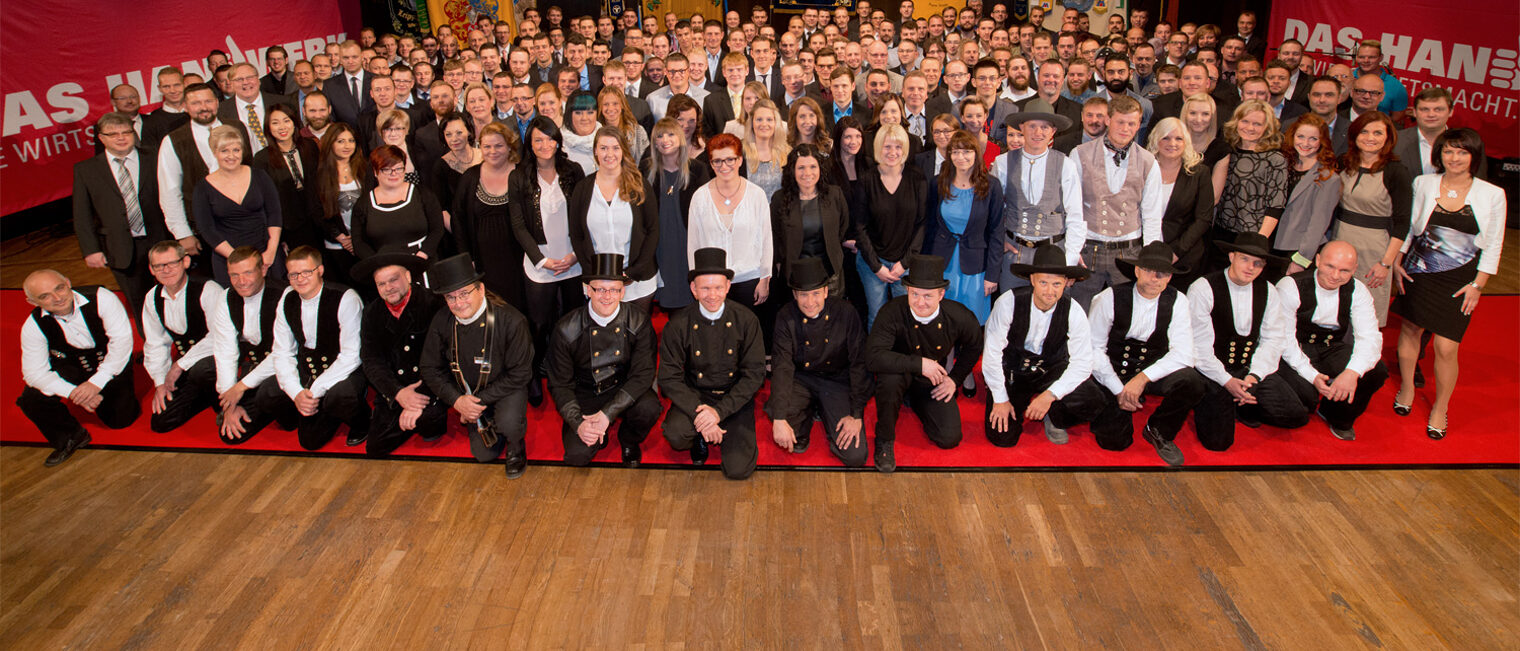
[1313, 191]
[396, 215]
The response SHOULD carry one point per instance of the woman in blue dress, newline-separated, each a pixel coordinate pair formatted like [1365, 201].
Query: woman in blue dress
[966, 210]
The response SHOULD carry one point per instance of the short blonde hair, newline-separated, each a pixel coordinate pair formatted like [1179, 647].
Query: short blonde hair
[1190, 157]
[886, 133]
[222, 134]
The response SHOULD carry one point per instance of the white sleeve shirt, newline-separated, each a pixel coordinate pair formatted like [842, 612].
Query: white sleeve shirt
[1078, 346]
[1268, 348]
[1151, 205]
[158, 343]
[1179, 336]
[37, 365]
[225, 338]
[749, 240]
[171, 179]
[350, 311]
[1367, 339]
[1034, 190]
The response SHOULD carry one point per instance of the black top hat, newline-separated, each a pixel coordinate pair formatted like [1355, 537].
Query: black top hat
[1049, 259]
[1156, 256]
[1250, 244]
[808, 274]
[709, 260]
[1038, 109]
[926, 272]
[453, 273]
[364, 272]
[605, 266]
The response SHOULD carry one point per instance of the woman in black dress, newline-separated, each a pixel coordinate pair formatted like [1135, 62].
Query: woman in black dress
[1251, 183]
[482, 217]
[673, 178]
[237, 206]
[810, 218]
[850, 162]
[1452, 250]
[291, 162]
[1189, 194]
[396, 215]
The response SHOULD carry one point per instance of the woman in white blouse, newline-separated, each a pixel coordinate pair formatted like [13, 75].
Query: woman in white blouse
[580, 130]
[733, 214]
[609, 214]
[1455, 237]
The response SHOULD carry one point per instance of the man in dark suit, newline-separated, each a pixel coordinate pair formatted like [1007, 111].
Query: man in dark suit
[169, 115]
[383, 94]
[429, 140]
[116, 212]
[576, 50]
[126, 101]
[279, 80]
[763, 50]
[1049, 81]
[248, 107]
[718, 107]
[1194, 79]
[1255, 42]
[1324, 95]
[1291, 52]
[615, 75]
[842, 89]
[348, 92]
[1278, 76]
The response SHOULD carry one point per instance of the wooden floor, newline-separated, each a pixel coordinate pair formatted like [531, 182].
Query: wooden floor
[177, 551]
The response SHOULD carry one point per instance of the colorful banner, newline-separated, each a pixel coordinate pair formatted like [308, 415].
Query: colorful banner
[460, 14]
[55, 92]
[1468, 48]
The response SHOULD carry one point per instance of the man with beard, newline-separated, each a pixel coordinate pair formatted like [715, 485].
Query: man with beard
[1116, 83]
[184, 160]
[317, 114]
[601, 368]
[176, 348]
[1016, 88]
[242, 334]
[395, 326]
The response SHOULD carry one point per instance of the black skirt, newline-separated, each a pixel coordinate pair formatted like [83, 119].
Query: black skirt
[1441, 260]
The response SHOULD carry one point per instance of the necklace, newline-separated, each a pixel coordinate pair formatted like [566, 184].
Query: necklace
[728, 199]
[1451, 193]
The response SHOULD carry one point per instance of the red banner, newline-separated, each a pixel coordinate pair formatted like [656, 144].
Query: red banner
[1469, 48]
[63, 58]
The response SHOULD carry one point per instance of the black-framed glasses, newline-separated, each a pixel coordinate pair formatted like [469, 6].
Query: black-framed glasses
[459, 296]
[165, 266]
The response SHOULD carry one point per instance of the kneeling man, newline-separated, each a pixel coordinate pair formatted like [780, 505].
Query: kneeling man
[395, 326]
[177, 351]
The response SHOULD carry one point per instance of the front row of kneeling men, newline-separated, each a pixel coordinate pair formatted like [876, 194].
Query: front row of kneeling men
[1232, 348]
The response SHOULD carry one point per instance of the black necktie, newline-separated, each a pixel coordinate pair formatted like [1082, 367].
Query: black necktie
[1119, 153]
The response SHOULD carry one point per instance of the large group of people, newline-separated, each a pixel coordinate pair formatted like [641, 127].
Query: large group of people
[408, 229]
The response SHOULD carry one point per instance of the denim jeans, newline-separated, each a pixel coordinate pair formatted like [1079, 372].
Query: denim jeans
[876, 292]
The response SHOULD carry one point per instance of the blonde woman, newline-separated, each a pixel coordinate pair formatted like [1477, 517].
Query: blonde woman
[1199, 114]
[1187, 189]
[479, 106]
[753, 92]
[237, 205]
[764, 149]
[890, 219]
[1251, 183]
[550, 103]
[674, 180]
[612, 109]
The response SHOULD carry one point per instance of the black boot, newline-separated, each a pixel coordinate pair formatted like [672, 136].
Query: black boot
[517, 459]
[699, 451]
[886, 461]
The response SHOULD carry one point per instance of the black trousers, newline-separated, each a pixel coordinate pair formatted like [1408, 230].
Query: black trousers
[194, 392]
[941, 420]
[744, 294]
[134, 279]
[51, 414]
[1075, 408]
[739, 452]
[1216, 414]
[343, 404]
[1180, 392]
[633, 424]
[546, 303]
[507, 418]
[829, 399]
[1339, 414]
[385, 433]
[258, 417]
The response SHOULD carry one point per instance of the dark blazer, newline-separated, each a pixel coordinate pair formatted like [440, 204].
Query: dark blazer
[275, 86]
[1189, 216]
[541, 75]
[980, 245]
[100, 212]
[158, 124]
[346, 107]
[1291, 111]
[1072, 111]
[646, 231]
[646, 87]
[717, 110]
[140, 126]
[297, 224]
[1300, 91]
[640, 109]
[786, 226]
[523, 195]
[776, 90]
[937, 105]
[427, 147]
[924, 161]
[593, 76]
[859, 111]
[1408, 152]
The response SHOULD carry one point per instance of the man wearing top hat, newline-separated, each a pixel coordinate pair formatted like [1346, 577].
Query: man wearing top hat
[176, 348]
[478, 358]
[1142, 338]
[1038, 354]
[712, 363]
[1042, 193]
[395, 325]
[76, 349]
[1331, 351]
[818, 366]
[601, 368]
[1238, 338]
[908, 349]
[316, 356]
[242, 335]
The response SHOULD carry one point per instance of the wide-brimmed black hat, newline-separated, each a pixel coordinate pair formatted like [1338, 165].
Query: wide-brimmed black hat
[605, 266]
[1049, 259]
[1250, 244]
[709, 260]
[1156, 256]
[808, 274]
[364, 271]
[1038, 109]
[926, 272]
[453, 273]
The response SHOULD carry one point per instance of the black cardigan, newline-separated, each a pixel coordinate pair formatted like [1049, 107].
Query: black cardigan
[1189, 216]
[786, 227]
[981, 248]
[640, 264]
[522, 203]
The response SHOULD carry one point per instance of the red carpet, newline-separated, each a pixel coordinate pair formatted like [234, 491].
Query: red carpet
[1485, 424]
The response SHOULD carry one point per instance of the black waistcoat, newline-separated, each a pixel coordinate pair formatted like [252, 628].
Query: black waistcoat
[195, 316]
[70, 362]
[1130, 356]
[1235, 350]
[1023, 366]
[311, 362]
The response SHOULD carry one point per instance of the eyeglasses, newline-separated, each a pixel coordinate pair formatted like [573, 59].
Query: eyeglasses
[943, 132]
[243, 78]
[118, 134]
[165, 266]
[460, 296]
[394, 171]
[725, 162]
[1368, 93]
[605, 291]
[301, 275]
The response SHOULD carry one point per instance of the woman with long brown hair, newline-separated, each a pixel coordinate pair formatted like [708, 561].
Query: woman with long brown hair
[1313, 191]
[966, 211]
[613, 111]
[609, 213]
[1375, 201]
[342, 177]
[673, 179]
[291, 162]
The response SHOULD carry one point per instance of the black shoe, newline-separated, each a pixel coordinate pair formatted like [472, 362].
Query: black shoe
[1401, 408]
[434, 438]
[632, 456]
[1056, 435]
[1437, 434]
[801, 444]
[536, 392]
[699, 451]
[356, 435]
[1248, 422]
[63, 454]
[1167, 450]
[886, 461]
[1419, 378]
[1344, 434]
[969, 392]
[517, 460]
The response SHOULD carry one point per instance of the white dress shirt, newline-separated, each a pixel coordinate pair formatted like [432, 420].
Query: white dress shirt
[1151, 206]
[1142, 324]
[37, 365]
[1268, 347]
[225, 338]
[1366, 338]
[1033, 172]
[158, 343]
[171, 178]
[242, 113]
[748, 241]
[555, 218]
[611, 225]
[350, 309]
[1078, 346]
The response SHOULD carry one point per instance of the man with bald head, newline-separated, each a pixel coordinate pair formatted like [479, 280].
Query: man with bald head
[1331, 354]
[75, 350]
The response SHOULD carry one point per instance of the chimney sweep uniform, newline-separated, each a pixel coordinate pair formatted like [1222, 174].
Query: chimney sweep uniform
[390, 352]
